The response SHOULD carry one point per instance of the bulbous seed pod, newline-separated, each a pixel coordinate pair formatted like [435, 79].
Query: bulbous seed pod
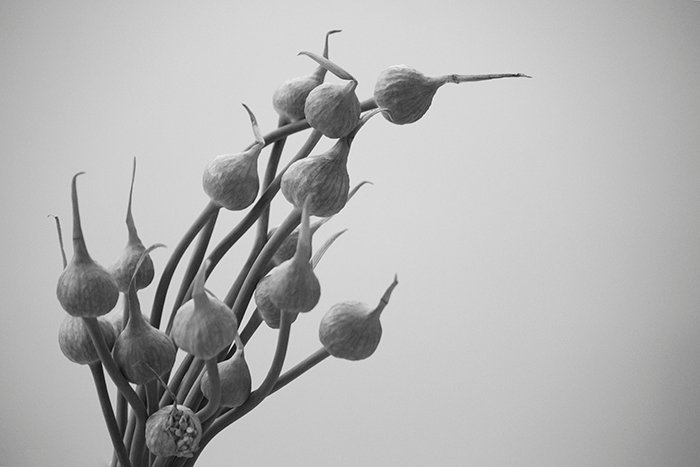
[173, 430]
[231, 180]
[204, 325]
[141, 351]
[123, 269]
[294, 287]
[323, 177]
[234, 374]
[351, 330]
[84, 289]
[268, 311]
[406, 93]
[332, 109]
[289, 99]
[75, 342]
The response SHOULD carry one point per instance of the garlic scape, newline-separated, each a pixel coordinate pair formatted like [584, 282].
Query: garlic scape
[204, 325]
[231, 180]
[141, 351]
[292, 286]
[234, 376]
[289, 99]
[407, 94]
[123, 269]
[351, 330]
[323, 177]
[85, 289]
[333, 109]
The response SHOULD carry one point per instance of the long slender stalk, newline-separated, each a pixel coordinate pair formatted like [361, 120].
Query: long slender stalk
[255, 274]
[193, 267]
[176, 380]
[256, 211]
[189, 380]
[98, 377]
[257, 396]
[215, 397]
[138, 445]
[301, 368]
[113, 370]
[171, 265]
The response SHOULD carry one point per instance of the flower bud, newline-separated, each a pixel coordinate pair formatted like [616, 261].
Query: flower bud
[173, 430]
[324, 177]
[75, 342]
[123, 269]
[204, 325]
[235, 378]
[289, 99]
[407, 94]
[231, 180]
[293, 286]
[332, 109]
[352, 330]
[141, 351]
[84, 288]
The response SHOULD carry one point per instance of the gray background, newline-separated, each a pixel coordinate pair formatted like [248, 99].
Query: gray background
[544, 231]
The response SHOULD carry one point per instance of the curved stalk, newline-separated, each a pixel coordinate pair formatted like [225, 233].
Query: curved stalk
[98, 377]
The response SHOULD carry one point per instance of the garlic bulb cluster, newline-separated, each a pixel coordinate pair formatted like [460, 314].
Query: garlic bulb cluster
[181, 385]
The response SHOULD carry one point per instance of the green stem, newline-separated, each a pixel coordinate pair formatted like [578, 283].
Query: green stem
[261, 263]
[195, 262]
[169, 270]
[257, 396]
[213, 403]
[129, 433]
[263, 221]
[176, 380]
[110, 365]
[301, 368]
[190, 378]
[101, 386]
[139, 444]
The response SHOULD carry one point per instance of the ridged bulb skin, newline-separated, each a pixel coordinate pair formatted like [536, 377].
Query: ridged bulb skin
[323, 177]
[75, 342]
[270, 314]
[174, 430]
[236, 382]
[204, 331]
[141, 351]
[136, 346]
[294, 288]
[123, 269]
[85, 289]
[405, 93]
[288, 100]
[350, 330]
[231, 180]
[333, 109]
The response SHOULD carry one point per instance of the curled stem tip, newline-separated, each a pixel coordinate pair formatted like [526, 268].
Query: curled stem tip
[60, 239]
[357, 187]
[328, 65]
[384, 301]
[325, 47]
[363, 119]
[142, 258]
[259, 140]
[326, 245]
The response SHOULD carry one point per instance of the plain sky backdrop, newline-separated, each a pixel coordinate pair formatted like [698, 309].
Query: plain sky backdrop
[545, 232]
